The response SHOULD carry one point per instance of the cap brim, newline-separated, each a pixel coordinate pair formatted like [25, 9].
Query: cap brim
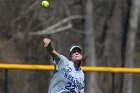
[74, 47]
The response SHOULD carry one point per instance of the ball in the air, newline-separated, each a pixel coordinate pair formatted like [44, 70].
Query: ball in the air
[45, 4]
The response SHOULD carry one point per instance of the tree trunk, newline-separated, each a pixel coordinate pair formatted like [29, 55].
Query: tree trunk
[89, 42]
[130, 45]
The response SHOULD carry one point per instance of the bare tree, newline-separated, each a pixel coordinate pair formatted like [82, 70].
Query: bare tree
[130, 44]
[24, 23]
[89, 44]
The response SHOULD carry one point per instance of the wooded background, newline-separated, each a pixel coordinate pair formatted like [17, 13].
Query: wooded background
[107, 30]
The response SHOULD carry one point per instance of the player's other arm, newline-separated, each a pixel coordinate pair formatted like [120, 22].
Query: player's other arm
[50, 49]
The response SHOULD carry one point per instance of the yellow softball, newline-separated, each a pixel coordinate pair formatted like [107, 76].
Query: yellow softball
[45, 4]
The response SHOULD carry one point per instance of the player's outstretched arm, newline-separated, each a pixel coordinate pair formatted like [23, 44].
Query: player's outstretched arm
[48, 46]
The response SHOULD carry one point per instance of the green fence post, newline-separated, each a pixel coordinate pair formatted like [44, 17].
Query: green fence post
[6, 81]
[113, 83]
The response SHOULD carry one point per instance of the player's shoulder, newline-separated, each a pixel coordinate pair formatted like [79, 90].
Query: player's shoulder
[62, 57]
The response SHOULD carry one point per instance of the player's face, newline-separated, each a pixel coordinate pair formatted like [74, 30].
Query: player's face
[76, 55]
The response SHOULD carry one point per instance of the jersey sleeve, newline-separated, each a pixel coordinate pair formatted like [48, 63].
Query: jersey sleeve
[82, 90]
[60, 62]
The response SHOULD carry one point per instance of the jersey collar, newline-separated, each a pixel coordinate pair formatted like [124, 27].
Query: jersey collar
[77, 68]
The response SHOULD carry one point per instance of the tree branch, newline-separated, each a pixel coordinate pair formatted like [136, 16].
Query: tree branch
[58, 26]
[51, 31]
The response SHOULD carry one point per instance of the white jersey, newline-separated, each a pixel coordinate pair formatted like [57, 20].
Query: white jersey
[66, 78]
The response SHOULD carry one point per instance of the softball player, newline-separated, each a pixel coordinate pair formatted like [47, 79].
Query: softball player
[67, 77]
